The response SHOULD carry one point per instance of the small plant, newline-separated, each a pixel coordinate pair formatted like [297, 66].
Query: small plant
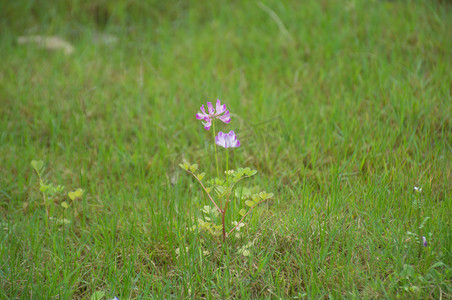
[47, 189]
[50, 193]
[220, 190]
[419, 237]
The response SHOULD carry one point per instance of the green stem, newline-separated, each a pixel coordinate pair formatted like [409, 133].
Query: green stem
[47, 211]
[227, 196]
[421, 244]
[215, 145]
[227, 166]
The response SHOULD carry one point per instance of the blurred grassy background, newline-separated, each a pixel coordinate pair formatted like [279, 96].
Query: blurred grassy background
[363, 89]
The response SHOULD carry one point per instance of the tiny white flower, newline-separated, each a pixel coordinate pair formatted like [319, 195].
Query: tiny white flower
[417, 189]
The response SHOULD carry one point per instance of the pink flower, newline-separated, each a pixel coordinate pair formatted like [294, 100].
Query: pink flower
[227, 140]
[424, 241]
[220, 112]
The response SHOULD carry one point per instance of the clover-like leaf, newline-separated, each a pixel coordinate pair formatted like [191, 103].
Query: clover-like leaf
[220, 190]
[194, 167]
[38, 165]
[59, 188]
[64, 204]
[44, 188]
[206, 209]
[208, 190]
[77, 194]
[184, 166]
[98, 295]
[201, 176]
[255, 198]
[218, 227]
[242, 212]
[217, 181]
[264, 195]
[250, 203]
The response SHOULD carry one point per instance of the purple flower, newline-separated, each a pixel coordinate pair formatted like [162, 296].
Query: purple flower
[424, 241]
[227, 140]
[220, 112]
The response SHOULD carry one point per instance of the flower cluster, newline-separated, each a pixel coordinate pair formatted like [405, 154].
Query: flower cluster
[219, 112]
[227, 140]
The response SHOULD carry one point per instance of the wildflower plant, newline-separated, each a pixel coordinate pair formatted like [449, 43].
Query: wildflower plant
[221, 191]
[419, 237]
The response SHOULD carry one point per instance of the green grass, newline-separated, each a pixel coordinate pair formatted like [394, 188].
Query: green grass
[363, 89]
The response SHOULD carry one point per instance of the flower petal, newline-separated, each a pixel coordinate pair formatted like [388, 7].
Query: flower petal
[228, 140]
[202, 114]
[220, 108]
[226, 118]
[207, 123]
[219, 139]
[210, 108]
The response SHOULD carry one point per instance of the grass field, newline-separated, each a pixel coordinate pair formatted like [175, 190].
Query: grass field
[343, 107]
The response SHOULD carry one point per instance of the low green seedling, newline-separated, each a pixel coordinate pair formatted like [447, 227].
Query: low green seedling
[51, 193]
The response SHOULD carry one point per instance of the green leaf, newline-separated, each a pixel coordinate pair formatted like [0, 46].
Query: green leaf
[220, 190]
[38, 165]
[194, 167]
[98, 295]
[201, 176]
[184, 166]
[264, 195]
[250, 203]
[44, 187]
[242, 212]
[255, 197]
[76, 194]
[64, 205]
[206, 209]
[208, 190]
